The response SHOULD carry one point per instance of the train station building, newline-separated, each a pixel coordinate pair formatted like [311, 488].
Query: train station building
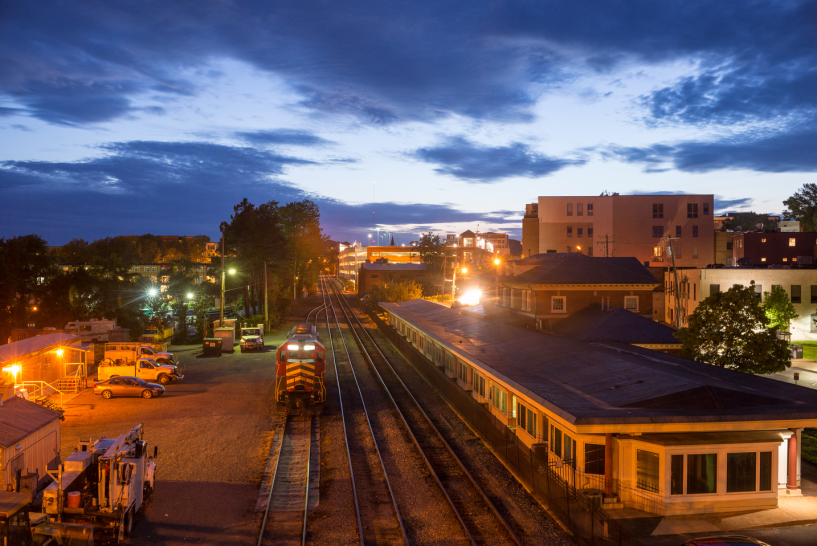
[652, 431]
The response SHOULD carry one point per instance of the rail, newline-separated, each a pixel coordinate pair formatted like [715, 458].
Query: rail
[39, 387]
[416, 405]
[368, 423]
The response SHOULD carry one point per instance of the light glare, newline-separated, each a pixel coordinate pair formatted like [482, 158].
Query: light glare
[309, 347]
[292, 347]
[471, 297]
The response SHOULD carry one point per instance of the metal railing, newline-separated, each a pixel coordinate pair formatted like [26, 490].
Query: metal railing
[42, 392]
[554, 482]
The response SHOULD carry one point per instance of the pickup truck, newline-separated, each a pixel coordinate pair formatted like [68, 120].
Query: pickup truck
[252, 338]
[144, 368]
[130, 351]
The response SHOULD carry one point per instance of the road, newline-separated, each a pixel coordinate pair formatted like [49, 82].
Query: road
[212, 430]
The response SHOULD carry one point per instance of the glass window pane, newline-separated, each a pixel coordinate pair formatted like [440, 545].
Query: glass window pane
[594, 458]
[646, 468]
[677, 475]
[766, 471]
[702, 474]
[740, 472]
[557, 443]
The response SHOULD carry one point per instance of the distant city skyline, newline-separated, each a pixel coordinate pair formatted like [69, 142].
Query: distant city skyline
[159, 118]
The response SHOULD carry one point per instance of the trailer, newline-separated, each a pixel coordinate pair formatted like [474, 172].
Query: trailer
[98, 490]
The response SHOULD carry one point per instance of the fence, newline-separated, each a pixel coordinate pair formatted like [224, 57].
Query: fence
[552, 482]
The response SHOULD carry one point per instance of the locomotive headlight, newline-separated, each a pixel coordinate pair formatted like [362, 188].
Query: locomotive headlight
[309, 347]
[292, 347]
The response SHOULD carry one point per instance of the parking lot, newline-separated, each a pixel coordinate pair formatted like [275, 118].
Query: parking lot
[212, 430]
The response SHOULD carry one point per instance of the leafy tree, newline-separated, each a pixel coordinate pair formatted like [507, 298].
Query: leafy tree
[802, 206]
[779, 310]
[748, 221]
[25, 265]
[730, 330]
[432, 250]
[300, 223]
[400, 291]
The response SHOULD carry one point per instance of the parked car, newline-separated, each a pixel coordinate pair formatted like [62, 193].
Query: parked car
[127, 386]
[725, 540]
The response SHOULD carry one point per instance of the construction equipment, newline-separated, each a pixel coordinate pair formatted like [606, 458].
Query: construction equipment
[98, 491]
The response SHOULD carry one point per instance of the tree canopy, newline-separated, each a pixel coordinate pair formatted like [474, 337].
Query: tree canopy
[432, 250]
[731, 330]
[802, 206]
[779, 309]
[749, 221]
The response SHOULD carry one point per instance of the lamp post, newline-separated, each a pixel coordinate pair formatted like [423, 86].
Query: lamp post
[221, 300]
[454, 285]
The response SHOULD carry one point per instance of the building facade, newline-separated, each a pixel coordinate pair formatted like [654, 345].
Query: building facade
[781, 248]
[723, 247]
[530, 230]
[695, 285]
[385, 272]
[653, 431]
[629, 226]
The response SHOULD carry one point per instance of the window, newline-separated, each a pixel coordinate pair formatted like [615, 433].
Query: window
[590, 231]
[479, 384]
[759, 291]
[154, 269]
[556, 441]
[658, 231]
[570, 231]
[785, 259]
[795, 293]
[579, 211]
[570, 451]
[694, 292]
[692, 210]
[631, 303]
[763, 259]
[763, 240]
[137, 269]
[527, 420]
[813, 294]
[557, 304]
[462, 371]
[694, 252]
[658, 254]
[500, 400]
[439, 355]
[646, 470]
[579, 232]
[374, 276]
[702, 474]
[728, 246]
[594, 459]
[677, 231]
[741, 469]
[678, 251]
[658, 210]
[792, 242]
[694, 231]
[590, 209]
[570, 209]
[676, 475]
[766, 471]
[449, 362]
[706, 209]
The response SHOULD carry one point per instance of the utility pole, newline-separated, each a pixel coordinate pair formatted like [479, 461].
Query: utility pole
[266, 296]
[677, 289]
[221, 301]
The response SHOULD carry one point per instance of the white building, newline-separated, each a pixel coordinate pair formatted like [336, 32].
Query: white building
[697, 284]
[350, 258]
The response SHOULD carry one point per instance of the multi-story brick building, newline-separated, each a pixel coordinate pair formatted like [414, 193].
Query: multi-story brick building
[773, 248]
[549, 287]
[627, 226]
[383, 272]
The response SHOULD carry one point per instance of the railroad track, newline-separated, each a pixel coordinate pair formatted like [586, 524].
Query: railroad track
[373, 495]
[477, 515]
[288, 501]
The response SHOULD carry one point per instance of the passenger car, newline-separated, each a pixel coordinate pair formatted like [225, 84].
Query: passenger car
[127, 386]
[725, 540]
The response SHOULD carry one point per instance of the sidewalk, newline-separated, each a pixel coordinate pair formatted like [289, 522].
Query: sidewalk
[805, 367]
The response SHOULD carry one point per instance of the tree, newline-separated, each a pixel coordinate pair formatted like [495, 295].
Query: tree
[748, 221]
[432, 250]
[25, 265]
[778, 309]
[400, 291]
[730, 330]
[802, 206]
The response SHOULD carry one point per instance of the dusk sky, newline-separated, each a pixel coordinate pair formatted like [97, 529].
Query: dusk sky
[157, 117]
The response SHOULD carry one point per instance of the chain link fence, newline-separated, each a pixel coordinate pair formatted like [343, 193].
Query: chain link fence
[554, 483]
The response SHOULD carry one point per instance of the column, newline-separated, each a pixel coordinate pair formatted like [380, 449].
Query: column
[791, 483]
[608, 465]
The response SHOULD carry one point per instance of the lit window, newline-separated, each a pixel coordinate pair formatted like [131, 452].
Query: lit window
[785, 259]
[558, 304]
[794, 259]
[792, 241]
[763, 259]
[658, 254]
[763, 240]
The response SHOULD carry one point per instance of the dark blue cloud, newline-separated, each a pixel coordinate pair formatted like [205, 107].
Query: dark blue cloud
[283, 137]
[145, 186]
[486, 164]
[385, 62]
[778, 153]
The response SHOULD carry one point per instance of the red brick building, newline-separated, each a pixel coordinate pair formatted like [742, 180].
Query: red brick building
[549, 287]
[773, 248]
[383, 272]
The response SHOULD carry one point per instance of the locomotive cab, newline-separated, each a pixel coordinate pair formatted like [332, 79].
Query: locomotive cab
[300, 373]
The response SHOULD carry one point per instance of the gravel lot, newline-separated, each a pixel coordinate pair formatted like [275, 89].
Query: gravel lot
[212, 430]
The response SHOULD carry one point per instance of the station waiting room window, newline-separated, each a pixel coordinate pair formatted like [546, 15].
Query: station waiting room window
[646, 466]
[594, 459]
[527, 419]
[702, 474]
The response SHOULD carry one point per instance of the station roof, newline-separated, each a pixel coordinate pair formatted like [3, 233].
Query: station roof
[20, 349]
[576, 268]
[608, 383]
[616, 324]
[393, 266]
[19, 418]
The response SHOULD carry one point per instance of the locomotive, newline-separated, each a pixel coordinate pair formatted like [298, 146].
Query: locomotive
[301, 367]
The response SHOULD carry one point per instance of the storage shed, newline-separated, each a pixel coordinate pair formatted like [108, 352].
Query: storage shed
[29, 439]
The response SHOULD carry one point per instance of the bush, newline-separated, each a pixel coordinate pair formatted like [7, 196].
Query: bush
[390, 292]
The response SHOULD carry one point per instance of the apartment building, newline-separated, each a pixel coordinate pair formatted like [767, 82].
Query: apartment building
[782, 248]
[698, 284]
[638, 226]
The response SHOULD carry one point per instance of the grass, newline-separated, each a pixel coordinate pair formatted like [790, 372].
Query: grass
[809, 348]
[809, 447]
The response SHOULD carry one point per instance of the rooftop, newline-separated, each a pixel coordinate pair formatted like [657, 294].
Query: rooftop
[393, 266]
[19, 418]
[18, 349]
[614, 324]
[576, 268]
[611, 382]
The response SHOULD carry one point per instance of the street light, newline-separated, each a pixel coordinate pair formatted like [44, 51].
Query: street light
[454, 285]
[221, 302]
[152, 292]
[497, 261]
[231, 271]
[190, 295]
